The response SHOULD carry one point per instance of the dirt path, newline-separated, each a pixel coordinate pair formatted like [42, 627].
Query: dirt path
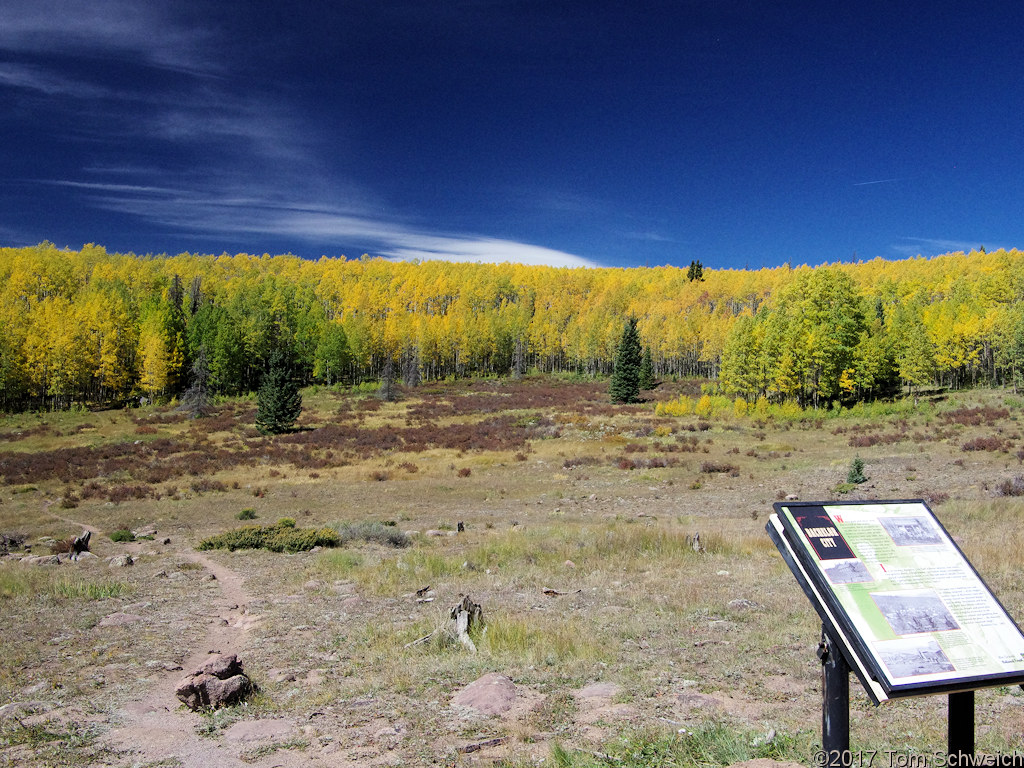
[156, 729]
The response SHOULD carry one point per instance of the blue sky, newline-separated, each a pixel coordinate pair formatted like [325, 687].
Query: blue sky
[741, 134]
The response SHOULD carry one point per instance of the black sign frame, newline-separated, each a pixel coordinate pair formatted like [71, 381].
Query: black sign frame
[796, 546]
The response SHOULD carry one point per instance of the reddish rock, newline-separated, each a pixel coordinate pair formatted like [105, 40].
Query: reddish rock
[492, 694]
[217, 683]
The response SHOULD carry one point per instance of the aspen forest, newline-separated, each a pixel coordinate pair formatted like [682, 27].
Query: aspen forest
[94, 328]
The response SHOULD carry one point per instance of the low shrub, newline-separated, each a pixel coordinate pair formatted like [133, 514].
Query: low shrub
[991, 443]
[381, 533]
[246, 514]
[205, 484]
[1011, 487]
[283, 536]
[710, 467]
[122, 534]
[580, 461]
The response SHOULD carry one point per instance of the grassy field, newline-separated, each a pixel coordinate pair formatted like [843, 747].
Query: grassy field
[577, 519]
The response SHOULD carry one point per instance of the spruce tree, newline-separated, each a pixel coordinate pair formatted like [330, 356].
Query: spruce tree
[196, 399]
[278, 403]
[625, 387]
[647, 370]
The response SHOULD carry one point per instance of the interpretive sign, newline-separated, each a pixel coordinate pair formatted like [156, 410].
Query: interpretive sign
[894, 589]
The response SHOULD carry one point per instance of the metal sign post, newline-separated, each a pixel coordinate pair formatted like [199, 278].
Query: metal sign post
[835, 705]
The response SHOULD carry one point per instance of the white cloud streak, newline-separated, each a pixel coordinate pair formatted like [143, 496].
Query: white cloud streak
[313, 222]
[140, 29]
[252, 168]
[929, 246]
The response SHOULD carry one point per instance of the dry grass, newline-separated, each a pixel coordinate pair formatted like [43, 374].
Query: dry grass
[533, 473]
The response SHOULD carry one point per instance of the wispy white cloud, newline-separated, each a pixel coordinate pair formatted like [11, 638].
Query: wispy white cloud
[875, 181]
[647, 237]
[47, 82]
[235, 214]
[244, 162]
[909, 247]
[146, 31]
[481, 250]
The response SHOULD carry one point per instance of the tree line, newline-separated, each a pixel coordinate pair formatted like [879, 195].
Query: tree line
[94, 327]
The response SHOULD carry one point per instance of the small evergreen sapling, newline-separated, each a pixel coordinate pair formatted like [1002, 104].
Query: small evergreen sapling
[856, 474]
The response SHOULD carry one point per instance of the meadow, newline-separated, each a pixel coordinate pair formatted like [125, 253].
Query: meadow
[577, 518]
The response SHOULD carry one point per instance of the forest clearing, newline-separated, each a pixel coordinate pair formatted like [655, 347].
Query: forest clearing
[623, 645]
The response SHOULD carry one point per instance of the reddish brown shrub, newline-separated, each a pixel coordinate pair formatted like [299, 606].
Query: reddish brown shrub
[974, 417]
[120, 493]
[1011, 487]
[205, 484]
[991, 443]
[710, 467]
[580, 461]
[465, 472]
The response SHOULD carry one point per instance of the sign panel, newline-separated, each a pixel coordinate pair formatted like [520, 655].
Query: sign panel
[913, 614]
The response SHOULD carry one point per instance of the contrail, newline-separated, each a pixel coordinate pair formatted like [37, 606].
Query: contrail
[879, 181]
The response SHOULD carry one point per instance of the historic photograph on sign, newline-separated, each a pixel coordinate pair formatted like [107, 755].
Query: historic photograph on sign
[910, 531]
[913, 658]
[915, 613]
[903, 578]
[852, 572]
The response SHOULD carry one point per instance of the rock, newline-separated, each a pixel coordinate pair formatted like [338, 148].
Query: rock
[166, 541]
[569, 564]
[43, 560]
[18, 710]
[120, 561]
[313, 585]
[250, 731]
[691, 701]
[222, 666]
[218, 682]
[491, 694]
[84, 556]
[120, 620]
[791, 497]
[598, 691]
[742, 604]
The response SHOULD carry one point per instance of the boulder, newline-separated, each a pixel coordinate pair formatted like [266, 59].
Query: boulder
[218, 682]
[491, 694]
[121, 561]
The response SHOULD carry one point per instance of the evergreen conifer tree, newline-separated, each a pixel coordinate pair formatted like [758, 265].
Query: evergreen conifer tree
[278, 403]
[196, 399]
[647, 370]
[625, 387]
